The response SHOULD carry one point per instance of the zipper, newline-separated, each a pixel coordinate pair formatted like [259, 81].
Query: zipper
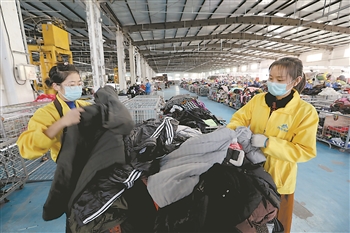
[268, 119]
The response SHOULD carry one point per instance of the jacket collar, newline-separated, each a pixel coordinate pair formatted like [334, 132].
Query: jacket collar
[290, 103]
[65, 107]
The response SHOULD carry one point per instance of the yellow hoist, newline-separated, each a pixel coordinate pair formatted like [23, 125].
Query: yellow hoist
[54, 48]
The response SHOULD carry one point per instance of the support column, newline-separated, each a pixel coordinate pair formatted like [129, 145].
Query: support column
[143, 70]
[13, 52]
[138, 66]
[93, 18]
[121, 57]
[148, 73]
[132, 64]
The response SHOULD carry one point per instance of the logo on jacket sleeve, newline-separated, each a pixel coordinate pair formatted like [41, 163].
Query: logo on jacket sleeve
[283, 127]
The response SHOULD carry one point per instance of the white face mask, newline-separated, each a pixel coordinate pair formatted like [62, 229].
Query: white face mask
[72, 93]
[278, 89]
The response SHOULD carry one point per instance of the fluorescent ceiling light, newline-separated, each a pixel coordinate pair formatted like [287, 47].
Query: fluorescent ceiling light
[266, 1]
[314, 57]
[280, 14]
[254, 66]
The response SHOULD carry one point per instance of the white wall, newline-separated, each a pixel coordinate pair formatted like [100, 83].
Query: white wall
[12, 53]
[332, 62]
[186, 75]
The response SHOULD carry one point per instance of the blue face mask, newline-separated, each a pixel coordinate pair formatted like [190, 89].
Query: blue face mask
[277, 89]
[72, 93]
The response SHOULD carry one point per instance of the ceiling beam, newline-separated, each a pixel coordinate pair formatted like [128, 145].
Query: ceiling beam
[222, 63]
[208, 54]
[189, 58]
[256, 20]
[235, 36]
[223, 46]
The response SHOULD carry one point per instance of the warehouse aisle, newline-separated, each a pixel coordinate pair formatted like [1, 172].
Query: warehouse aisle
[321, 199]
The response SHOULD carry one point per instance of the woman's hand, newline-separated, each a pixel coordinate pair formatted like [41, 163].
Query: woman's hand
[259, 140]
[72, 117]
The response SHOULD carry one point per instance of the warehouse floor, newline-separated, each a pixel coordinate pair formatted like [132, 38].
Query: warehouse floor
[321, 198]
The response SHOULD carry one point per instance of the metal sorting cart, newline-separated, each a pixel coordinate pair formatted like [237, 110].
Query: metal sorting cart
[321, 102]
[145, 107]
[160, 93]
[13, 121]
[123, 98]
[13, 173]
[333, 127]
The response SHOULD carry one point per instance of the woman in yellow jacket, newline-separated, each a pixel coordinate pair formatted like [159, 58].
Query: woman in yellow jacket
[45, 127]
[284, 127]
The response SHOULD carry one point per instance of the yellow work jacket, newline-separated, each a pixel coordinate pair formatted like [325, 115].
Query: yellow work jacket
[33, 143]
[292, 136]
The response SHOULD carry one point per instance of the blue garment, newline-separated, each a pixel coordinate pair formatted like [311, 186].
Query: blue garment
[336, 85]
[148, 87]
[71, 104]
[308, 86]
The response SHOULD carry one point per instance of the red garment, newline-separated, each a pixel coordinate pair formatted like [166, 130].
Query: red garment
[143, 87]
[45, 98]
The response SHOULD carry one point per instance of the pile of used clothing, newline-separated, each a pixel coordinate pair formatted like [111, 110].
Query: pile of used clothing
[158, 176]
[191, 112]
[341, 105]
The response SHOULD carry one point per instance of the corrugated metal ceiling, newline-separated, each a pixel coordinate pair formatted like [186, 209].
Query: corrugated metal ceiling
[201, 35]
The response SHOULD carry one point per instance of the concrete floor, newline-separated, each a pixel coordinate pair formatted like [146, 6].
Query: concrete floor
[321, 198]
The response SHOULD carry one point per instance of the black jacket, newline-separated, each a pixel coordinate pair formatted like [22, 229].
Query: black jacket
[144, 144]
[224, 197]
[93, 145]
[152, 139]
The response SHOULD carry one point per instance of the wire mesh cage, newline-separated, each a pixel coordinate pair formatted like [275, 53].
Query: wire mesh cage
[13, 121]
[29, 108]
[13, 173]
[152, 96]
[159, 98]
[142, 109]
[157, 93]
[334, 129]
[12, 125]
[14, 118]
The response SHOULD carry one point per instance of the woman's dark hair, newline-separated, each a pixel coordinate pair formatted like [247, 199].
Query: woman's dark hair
[59, 73]
[294, 68]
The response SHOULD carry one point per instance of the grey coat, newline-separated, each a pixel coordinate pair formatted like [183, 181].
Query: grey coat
[180, 170]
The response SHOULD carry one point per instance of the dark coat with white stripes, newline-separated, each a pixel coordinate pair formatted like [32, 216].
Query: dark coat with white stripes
[152, 139]
[93, 145]
[110, 184]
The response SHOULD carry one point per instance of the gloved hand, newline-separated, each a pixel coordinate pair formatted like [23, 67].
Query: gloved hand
[259, 140]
